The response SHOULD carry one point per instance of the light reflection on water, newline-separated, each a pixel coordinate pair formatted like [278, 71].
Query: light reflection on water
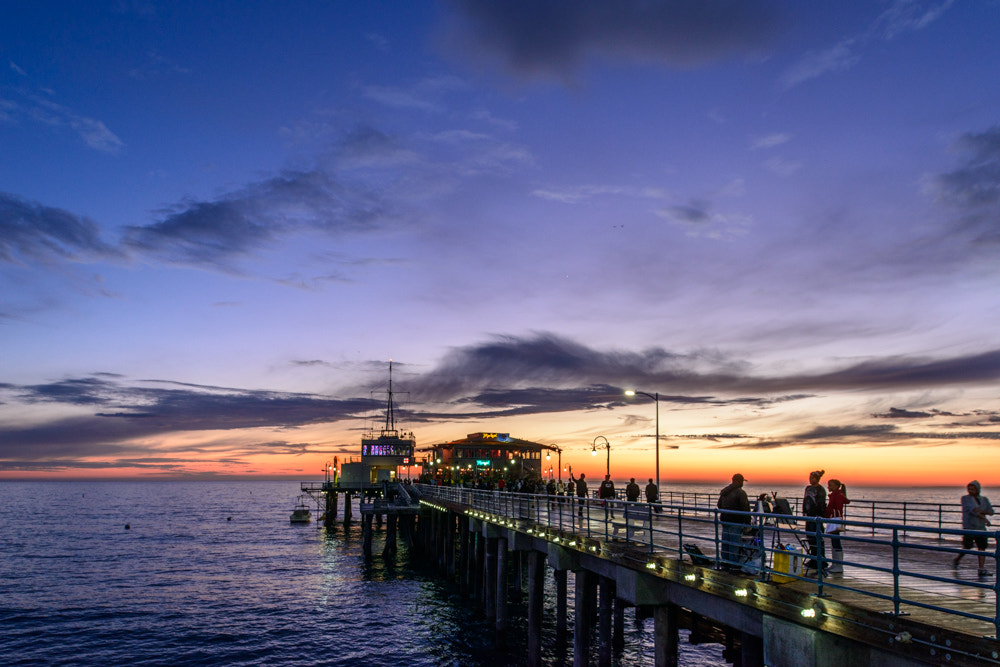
[213, 573]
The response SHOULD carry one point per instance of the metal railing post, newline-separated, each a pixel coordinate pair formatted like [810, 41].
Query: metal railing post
[762, 574]
[996, 584]
[718, 542]
[649, 520]
[680, 533]
[895, 570]
[820, 557]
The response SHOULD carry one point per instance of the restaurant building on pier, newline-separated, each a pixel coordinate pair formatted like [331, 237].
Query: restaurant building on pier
[493, 455]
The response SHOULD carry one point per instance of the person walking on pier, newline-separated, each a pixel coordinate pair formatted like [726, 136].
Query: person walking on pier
[835, 510]
[581, 489]
[975, 508]
[734, 499]
[653, 495]
[814, 505]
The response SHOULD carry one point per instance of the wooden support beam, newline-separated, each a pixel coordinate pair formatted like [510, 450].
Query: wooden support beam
[665, 636]
[389, 549]
[366, 536]
[604, 622]
[490, 582]
[561, 606]
[501, 590]
[536, 600]
[585, 593]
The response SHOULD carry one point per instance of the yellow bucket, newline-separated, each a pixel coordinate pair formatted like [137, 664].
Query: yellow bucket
[787, 561]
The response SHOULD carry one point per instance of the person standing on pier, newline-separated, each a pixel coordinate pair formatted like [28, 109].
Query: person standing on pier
[734, 499]
[581, 488]
[632, 491]
[975, 508]
[835, 510]
[606, 492]
[653, 495]
[814, 505]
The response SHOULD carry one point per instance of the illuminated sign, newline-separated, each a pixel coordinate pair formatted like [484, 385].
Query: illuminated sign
[499, 437]
[386, 450]
[482, 463]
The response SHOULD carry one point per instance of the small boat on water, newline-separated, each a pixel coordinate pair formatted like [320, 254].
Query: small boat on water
[301, 513]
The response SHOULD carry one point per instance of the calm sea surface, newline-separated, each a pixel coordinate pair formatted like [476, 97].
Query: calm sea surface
[213, 573]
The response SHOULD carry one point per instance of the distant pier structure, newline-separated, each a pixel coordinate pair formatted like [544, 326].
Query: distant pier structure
[373, 479]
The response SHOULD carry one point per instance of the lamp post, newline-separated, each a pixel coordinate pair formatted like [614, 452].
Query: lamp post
[548, 457]
[606, 445]
[656, 399]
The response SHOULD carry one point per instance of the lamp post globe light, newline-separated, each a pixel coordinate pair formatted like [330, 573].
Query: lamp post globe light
[656, 399]
[606, 445]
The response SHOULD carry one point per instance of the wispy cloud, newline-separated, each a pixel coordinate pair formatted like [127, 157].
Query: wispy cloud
[30, 231]
[769, 141]
[218, 232]
[126, 413]
[553, 38]
[554, 362]
[974, 187]
[902, 16]
[579, 193]
[30, 107]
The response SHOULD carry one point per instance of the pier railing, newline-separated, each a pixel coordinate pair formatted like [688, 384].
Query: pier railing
[909, 513]
[900, 564]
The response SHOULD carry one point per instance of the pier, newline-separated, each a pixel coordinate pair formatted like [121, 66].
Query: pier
[898, 601]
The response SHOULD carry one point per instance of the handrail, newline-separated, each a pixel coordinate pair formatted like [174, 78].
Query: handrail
[674, 528]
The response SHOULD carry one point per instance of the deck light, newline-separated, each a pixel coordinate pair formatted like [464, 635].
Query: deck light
[741, 592]
[808, 612]
[651, 566]
[691, 577]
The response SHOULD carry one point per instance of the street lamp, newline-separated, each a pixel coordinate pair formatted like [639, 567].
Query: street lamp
[606, 445]
[656, 399]
[548, 457]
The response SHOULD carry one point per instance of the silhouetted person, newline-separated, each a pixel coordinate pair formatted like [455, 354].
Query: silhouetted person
[734, 499]
[814, 505]
[975, 508]
[653, 495]
[632, 491]
[581, 489]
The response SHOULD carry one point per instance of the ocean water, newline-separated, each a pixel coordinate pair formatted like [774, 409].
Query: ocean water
[213, 573]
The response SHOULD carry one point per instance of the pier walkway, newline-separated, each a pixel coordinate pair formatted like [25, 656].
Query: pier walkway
[899, 589]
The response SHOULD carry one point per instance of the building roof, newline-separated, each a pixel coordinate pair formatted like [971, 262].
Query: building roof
[502, 440]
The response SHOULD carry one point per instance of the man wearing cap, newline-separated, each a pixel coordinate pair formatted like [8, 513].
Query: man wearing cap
[734, 499]
[814, 505]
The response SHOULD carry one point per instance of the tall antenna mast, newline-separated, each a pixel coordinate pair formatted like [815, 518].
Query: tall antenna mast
[390, 418]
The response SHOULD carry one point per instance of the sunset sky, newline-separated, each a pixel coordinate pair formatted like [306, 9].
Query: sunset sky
[220, 221]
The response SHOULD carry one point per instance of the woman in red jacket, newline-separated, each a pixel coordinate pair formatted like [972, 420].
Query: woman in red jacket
[835, 510]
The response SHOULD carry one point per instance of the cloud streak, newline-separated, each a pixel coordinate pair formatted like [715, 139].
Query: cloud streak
[553, 38]
[901, 17]
[33, 232]
[32, 107]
